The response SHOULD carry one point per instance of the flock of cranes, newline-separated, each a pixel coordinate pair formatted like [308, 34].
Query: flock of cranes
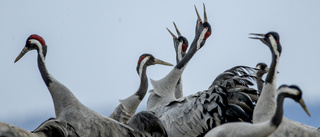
[231, 106]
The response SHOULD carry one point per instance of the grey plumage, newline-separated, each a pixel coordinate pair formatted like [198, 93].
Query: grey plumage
[127, 107]
[196, 114]
[263, 129]
[49, 128]
[147, 123]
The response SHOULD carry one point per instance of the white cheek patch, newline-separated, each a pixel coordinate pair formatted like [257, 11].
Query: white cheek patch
[288, 90]
[258, 67]
[39, 45]
[180, 51]
[202, 35]
[142, 63]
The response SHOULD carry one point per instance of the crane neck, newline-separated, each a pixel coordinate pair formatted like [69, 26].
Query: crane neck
[197, 43]
[179, 56]
[272, 74]
[143, 83]
[43, 69]
[184, 61]
[277, 117]
[62, 97]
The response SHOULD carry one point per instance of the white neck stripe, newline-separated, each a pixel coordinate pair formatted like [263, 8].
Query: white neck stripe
[39, 45]
[142, 63]
[288, 90]
[274, 45]
[202, 35]
[180, 51]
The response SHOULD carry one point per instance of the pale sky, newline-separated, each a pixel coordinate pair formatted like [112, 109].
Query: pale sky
[93, 49]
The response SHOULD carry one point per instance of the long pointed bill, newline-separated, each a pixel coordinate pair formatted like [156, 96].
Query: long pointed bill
[174, 36]
[205, 13]
[23, 52]
[178, 32]
[199, 18]
[158, 61]
[259, 36]
[303, 105]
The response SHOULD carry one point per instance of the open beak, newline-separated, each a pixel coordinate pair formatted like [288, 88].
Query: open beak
[174, 36]
[178, 32]
[258, 36]
[23, 52]
[205, 14]
[199, 18]
[303, 105]
[158, 61]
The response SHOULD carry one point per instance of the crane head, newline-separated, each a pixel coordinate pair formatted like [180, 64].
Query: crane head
[203, 28]
[294, 92]
[261, 69]
[34, 42]
[180, 43]
[146, 60]
[271, 39]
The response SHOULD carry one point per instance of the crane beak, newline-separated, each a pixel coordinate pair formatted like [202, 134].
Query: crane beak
[174, 36]
[178, 32]
[205, 13]
[199, 18]
[158, 61]
[259, 36]
[303, 105]
[23, 52]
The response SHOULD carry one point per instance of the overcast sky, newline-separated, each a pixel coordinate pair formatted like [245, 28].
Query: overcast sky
[93, 49]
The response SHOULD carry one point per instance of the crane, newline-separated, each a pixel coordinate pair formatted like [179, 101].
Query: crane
[68, 108]
[271, 39]
[263, 129]
[180, 45]
[128, 106]
[49, 128]
[164, 89]
[265, 106]
[262, 68]
[196, 114]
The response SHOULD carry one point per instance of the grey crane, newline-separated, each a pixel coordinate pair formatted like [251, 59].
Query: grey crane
[164, 89]
[68, 108]
[49, 128]
[127, 107]
[261, 69]
[271, 39]
[266, 104]
[263, 129]
[180, 45]
[196, 114]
